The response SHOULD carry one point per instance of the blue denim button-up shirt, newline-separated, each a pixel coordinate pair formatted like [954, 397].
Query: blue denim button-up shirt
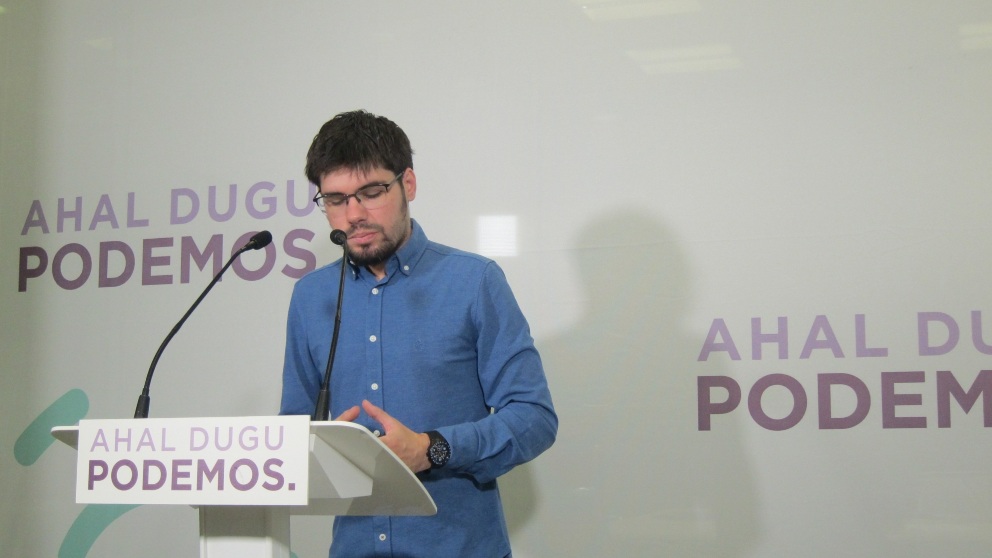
[440, 344]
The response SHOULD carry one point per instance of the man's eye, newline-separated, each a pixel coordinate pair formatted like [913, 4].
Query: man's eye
[334, 200]
[373, 192]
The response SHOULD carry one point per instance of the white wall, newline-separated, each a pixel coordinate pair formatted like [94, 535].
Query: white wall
[677, 171]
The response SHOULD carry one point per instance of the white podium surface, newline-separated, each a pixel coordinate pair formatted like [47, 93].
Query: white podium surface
[351, 472]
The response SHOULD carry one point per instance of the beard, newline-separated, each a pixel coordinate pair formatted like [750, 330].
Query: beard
[392, 239]
[374, 255]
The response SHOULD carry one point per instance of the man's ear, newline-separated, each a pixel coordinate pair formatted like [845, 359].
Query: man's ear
[410, 184]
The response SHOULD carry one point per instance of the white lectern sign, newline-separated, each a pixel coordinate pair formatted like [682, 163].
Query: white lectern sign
[195, 461]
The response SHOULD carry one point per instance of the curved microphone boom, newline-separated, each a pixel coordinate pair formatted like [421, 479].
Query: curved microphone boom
[257, 242]
[322, 410]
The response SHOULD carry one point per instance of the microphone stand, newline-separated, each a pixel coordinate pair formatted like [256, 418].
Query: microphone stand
[322, 410]
[257, 242]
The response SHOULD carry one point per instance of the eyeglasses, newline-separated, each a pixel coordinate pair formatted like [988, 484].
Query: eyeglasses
[371, 196]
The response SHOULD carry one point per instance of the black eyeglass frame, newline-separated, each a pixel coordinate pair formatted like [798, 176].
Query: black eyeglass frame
[359, 195]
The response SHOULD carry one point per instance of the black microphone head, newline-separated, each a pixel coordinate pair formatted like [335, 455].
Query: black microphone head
[259, 241]
[338, 237]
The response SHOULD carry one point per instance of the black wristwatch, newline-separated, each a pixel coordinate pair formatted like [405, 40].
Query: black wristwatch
[438, 451]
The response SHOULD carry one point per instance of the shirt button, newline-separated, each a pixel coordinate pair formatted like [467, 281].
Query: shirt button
[406, 268]
[377, 433]
[375, 291]
[375, 387]
[372, 338]
[382, 536]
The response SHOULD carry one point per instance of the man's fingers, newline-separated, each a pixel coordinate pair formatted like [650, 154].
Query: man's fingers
[349, 415]
[378, 415]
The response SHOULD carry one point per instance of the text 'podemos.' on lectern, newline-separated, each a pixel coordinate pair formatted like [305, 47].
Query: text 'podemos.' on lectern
[246, 475]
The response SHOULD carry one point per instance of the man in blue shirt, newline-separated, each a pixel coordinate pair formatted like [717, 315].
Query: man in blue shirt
[434, 354]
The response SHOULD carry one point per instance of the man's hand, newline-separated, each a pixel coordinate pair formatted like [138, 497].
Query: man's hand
[409, 446]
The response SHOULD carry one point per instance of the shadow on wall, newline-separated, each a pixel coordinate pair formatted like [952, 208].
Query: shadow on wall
[630, 474]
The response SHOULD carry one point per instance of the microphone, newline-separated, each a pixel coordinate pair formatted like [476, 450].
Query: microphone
[257, 242]
[322, 410]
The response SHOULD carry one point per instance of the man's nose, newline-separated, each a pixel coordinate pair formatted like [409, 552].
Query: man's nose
[354, 210]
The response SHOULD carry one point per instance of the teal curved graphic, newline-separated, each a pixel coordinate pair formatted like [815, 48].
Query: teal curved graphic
[88, 527]
[37, 437]
[32, 444]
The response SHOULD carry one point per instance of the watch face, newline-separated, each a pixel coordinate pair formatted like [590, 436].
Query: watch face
[439, 452]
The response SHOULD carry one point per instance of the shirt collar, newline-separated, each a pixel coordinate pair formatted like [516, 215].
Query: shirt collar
[409, 254]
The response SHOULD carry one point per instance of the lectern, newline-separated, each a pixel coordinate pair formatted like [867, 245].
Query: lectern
[232, 472]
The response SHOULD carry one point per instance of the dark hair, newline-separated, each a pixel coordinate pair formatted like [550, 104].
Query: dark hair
[358, 141]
